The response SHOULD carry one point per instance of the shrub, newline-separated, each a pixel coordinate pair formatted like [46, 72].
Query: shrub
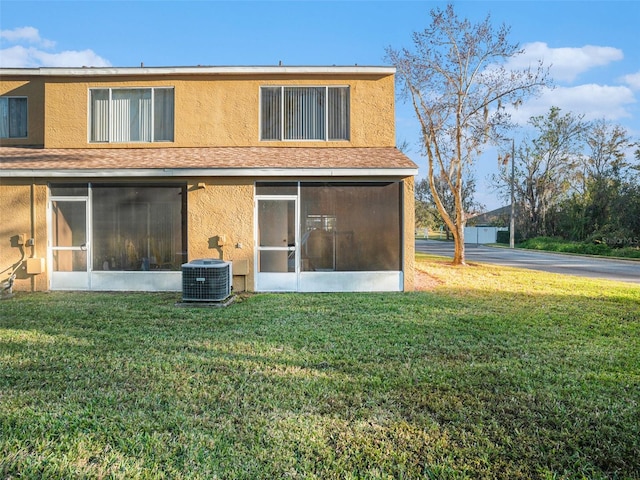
[503, 236]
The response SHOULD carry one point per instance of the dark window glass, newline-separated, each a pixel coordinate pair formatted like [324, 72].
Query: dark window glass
[271, 113]
[69, 190]
[13, 117]
[338, 111]
[276, 188]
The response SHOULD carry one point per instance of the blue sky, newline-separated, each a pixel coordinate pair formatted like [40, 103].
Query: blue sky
[592, 45]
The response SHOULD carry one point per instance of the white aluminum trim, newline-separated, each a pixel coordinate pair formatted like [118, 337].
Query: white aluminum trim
[276, 281]
[136, 281]
[388, 281]
[70, 281]
[210, 70]
[209, 172]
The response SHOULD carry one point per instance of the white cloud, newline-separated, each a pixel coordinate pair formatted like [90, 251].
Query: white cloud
[565, 63]
[594, 101]
[30, 57]
[633, 80]
[26, 34]
[30, 50]
[15, 57]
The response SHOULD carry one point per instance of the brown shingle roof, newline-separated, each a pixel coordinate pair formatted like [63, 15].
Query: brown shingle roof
[17, 158]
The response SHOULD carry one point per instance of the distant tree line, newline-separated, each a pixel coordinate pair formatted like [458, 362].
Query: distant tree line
[576, 180]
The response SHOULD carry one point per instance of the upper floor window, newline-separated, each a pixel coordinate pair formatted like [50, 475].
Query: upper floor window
[13, 117]
[131, 115]
[304, 113]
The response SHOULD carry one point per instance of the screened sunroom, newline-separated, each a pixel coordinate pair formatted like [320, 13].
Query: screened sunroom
[309, 235]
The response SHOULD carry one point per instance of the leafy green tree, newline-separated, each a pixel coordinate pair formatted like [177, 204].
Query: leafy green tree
[545, 169]
[606, 169]
[426, 213]
[608, 151]
[599, 206]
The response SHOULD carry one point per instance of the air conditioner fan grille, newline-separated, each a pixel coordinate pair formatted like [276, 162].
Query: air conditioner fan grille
[206, 281]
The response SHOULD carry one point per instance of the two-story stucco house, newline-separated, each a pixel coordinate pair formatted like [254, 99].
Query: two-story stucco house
[112, 178]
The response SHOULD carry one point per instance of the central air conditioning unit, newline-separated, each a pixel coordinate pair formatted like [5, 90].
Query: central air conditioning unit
[206, 280]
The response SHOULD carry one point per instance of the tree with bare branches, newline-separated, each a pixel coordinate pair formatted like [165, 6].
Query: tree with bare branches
[456, 79]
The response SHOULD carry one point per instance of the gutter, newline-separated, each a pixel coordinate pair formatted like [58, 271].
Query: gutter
[210, 172]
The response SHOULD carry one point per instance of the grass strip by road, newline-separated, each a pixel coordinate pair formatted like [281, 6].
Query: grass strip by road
[622, 248]
[492, 373]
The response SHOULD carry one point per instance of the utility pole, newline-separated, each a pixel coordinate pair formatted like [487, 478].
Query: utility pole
[512, 219]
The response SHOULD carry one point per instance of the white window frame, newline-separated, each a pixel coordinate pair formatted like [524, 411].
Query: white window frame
[110, 106]
[326, 114]
[9, 97]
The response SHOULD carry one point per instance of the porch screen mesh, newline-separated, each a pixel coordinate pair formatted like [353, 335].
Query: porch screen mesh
[138, 227]
[351, 226]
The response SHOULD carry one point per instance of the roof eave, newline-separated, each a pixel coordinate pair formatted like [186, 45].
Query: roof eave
[209, 172]
[199, 70]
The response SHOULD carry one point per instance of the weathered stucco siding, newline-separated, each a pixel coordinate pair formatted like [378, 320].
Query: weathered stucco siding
[409, 259]
[218, 111]
[22, 212]
[220, 225]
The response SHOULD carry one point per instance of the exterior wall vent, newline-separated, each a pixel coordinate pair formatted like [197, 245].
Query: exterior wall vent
[206, 280]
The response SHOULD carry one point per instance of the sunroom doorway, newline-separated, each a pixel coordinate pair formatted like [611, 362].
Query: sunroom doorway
[277, 254]
[70, 239]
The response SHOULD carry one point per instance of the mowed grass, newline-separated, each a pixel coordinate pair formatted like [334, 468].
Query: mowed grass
[493, 373]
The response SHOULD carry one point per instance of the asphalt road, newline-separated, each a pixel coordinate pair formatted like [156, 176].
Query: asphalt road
[594, 267]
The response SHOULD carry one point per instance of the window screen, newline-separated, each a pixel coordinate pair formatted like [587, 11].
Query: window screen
[13, 117]
[131, 115]
[304, 113]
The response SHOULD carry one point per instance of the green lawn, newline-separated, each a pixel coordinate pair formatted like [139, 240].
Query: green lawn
[495, 373]
[630, 249]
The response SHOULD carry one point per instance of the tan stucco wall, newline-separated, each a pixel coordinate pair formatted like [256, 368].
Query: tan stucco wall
[409, 261]
[225, 207]
[220, 225]
[216, 208]
[219, 110]
[22, 212]
[33, 89]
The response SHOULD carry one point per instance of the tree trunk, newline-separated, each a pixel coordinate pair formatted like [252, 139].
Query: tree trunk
[458, 234]
[458, 247]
